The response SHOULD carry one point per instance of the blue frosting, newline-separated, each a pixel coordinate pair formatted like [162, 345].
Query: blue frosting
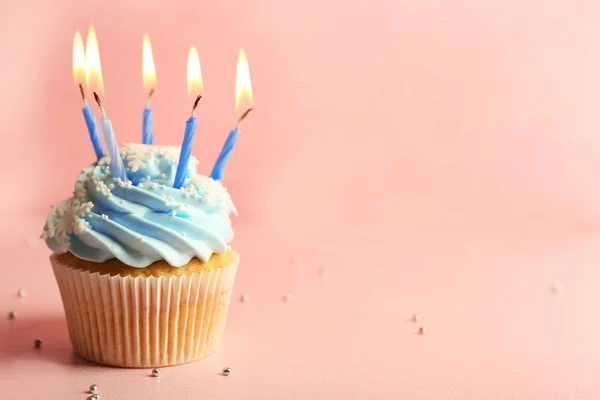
[143, 219]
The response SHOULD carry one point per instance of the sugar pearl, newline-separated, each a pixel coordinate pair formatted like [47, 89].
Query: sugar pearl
[155, 372]
[226, 371]
[557, 287]
[245, 298]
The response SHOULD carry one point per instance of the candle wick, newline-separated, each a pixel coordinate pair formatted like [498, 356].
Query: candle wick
[82, 92]
[97, 98]
[196, 103]
[150, 93]
[244, 115]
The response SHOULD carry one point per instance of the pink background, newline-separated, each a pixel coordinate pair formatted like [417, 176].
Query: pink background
[439, 157]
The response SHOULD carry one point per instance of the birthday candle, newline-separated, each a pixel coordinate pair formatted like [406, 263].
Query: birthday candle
[217, 171]
[90, 122]
[147, 136]
[79, 76]
[186, 148]
[194, 85]
[149, 77]
[116, 163]
[243, 93]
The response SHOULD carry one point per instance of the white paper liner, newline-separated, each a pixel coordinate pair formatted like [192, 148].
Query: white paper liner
[145, 322]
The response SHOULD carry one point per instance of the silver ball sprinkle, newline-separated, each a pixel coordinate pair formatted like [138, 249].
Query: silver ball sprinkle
[422, 330]
[12, 315]
[94, 397]
[22, 293]
[38, 343]
[155, 372]
[226, 371]
[93, 388]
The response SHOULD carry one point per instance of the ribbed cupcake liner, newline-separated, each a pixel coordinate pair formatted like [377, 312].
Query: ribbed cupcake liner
[145, 322]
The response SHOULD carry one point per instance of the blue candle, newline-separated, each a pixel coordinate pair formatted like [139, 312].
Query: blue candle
[116, 163]
[217, 171]
[186, 148]
[90, 122]
[147, 136]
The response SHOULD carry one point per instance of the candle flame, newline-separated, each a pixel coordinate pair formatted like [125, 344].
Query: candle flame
[243, 84]
[148, 70]
[93, 69]
[194, 74]
[78, 59]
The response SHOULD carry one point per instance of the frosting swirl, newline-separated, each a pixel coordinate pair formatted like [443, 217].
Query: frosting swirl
[143, 219]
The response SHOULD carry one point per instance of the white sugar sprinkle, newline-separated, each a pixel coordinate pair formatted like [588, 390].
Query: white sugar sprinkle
[557, 288]
[287, 297]
[183, 234]
[22, 293]
[245, 298]
[173, 213]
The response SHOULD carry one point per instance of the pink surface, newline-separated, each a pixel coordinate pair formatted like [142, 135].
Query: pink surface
[439, 157]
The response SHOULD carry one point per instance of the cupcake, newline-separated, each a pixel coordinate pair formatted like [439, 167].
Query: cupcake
[145, 270]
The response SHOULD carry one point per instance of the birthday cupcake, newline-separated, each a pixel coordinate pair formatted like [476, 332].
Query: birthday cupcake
[144, 267]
